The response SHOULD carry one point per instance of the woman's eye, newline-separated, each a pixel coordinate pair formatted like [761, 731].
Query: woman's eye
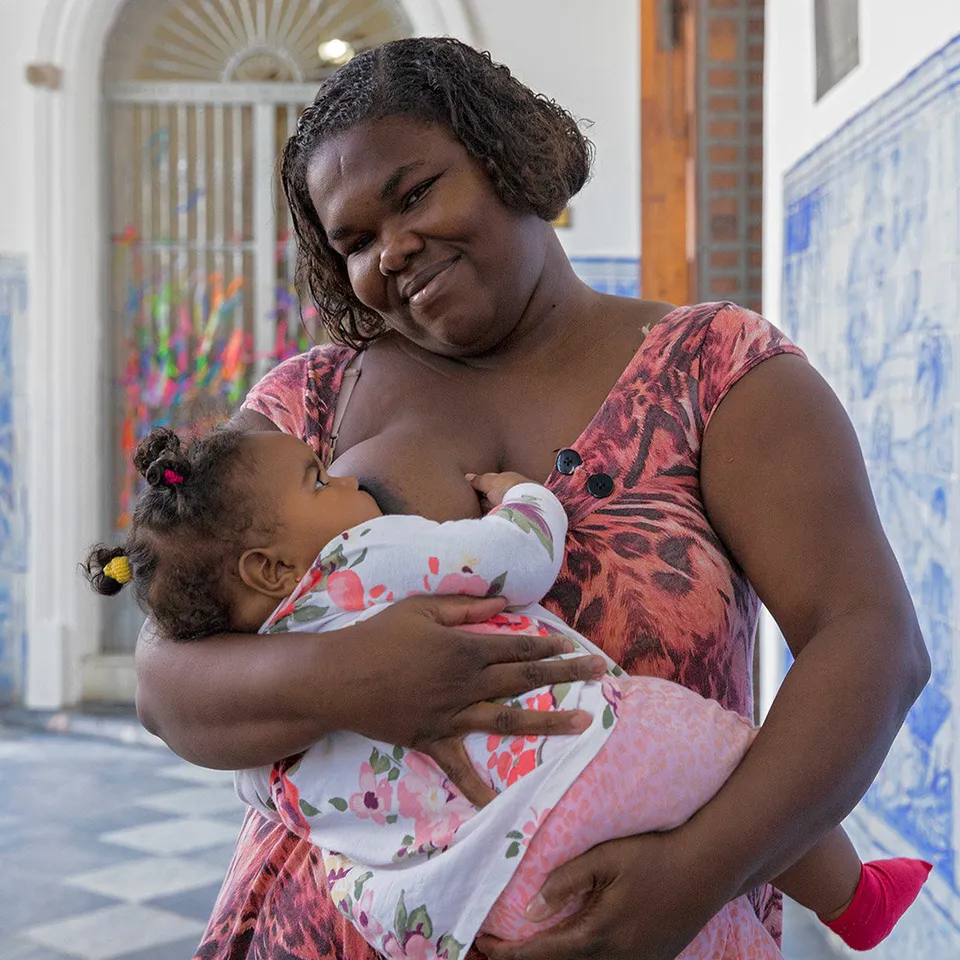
[417, 194]
[321, 483]
[358, 245]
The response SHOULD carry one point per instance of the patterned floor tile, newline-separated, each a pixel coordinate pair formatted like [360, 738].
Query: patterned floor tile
[201, 775]
[197, 904]
[27, 900]
[20, 948]
[102, 821]
[232, 819]
[114, 932]
[150, 878]
[194, 801]
[174, 837]
[181, 950]
[58, 854]
[220, 856]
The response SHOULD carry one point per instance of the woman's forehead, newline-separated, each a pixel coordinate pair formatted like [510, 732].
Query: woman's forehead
[372, 157]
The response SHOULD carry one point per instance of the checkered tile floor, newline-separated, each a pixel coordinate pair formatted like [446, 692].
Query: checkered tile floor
[116, 852]
[107, 851]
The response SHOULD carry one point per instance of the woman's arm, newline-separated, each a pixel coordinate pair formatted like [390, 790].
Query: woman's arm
[244, 700]
[809, 539]
[786, 488]
[406, 676]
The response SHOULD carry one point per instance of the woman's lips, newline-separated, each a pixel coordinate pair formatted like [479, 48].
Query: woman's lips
[428, 283]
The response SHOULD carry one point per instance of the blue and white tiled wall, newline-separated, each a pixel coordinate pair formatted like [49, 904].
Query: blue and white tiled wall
[616, 275]
[872, 293]
[13, 499]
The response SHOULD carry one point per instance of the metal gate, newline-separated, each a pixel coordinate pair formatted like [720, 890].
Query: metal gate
[201, 281]
[201, 293]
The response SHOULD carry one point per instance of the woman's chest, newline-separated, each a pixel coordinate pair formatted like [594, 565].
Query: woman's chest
[420, 441]
[647, 579]
[645, 575]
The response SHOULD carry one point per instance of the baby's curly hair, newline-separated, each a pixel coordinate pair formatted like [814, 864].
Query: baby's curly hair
[531, 148]
[188, 523]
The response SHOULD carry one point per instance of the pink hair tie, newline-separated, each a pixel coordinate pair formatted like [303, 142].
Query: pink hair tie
[172, 478]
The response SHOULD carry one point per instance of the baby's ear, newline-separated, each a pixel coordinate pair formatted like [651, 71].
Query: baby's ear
[263, 569]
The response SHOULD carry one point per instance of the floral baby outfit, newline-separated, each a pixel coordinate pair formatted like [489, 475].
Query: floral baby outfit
[409, 860]
[644, 576]
[412, 852]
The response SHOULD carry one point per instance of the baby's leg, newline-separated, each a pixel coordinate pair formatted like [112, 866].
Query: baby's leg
[861, 902]
[825, 879]
[669, 753]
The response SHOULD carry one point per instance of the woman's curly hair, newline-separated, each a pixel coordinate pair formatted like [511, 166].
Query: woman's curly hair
[187, 524]
[531, 148]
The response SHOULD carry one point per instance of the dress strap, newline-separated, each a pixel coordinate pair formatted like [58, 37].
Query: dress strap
[350, 377]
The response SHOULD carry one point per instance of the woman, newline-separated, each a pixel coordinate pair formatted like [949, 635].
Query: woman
[701, 461]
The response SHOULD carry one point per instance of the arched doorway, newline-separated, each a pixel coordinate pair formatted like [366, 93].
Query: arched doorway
[199, 97]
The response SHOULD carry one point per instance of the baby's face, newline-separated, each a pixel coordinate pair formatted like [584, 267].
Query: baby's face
[309, 506]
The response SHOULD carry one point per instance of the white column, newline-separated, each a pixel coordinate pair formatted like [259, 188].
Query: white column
[264, 234]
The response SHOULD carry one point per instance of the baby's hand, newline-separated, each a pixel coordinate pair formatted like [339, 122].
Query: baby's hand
[493, 487]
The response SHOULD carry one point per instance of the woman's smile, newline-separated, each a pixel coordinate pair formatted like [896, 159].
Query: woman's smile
[431, 284]
[427, 282]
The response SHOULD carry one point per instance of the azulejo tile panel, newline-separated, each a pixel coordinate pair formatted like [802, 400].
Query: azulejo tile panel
[619, 276]
[13, 500]
[871, 275]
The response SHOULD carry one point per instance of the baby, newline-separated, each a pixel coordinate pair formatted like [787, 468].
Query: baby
[248, 532]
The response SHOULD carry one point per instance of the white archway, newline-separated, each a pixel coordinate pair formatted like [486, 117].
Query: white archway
[67, 275]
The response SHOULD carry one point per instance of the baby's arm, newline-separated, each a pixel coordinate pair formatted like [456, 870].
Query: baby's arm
[515, 551]
[517, 548]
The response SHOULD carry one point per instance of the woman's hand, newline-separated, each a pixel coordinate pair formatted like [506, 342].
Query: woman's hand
[406, 676]
[410, 677]
[644, 898]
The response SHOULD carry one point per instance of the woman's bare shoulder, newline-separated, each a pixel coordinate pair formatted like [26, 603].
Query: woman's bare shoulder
[635, 314]
[650, 312]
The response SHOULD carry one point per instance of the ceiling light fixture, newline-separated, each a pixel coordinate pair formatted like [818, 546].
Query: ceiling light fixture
[336, 52]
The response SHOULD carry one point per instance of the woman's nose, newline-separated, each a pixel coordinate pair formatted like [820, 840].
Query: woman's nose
[398, 247]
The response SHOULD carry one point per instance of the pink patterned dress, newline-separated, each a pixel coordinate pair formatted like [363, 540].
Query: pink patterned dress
[646, 578]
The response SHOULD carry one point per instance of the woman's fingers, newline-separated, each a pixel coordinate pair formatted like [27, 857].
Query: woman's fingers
[500, 648]
[575, 937]
[515, 722]
[574, 880]
[513, 679]
[451, 757]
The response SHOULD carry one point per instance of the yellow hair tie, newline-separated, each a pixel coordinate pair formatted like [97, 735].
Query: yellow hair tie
[119, 569]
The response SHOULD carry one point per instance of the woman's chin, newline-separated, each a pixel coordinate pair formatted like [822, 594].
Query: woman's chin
[465, 339]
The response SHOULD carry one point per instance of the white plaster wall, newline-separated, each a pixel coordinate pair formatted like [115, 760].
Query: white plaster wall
[586, 56]
[19, 21]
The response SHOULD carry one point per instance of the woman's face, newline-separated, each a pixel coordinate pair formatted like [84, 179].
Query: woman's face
[427, 242]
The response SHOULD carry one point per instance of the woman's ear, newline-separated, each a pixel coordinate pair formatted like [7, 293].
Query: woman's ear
[263, 569]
